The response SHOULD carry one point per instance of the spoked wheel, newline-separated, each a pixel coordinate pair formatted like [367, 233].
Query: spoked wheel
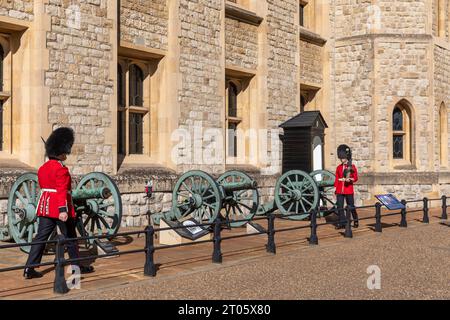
[22, 202]
[98, 216]
[325, 181]
[296, 194]
[241, 204]
[196, 195]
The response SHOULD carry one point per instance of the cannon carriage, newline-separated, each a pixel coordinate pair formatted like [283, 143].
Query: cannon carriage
[96, 200]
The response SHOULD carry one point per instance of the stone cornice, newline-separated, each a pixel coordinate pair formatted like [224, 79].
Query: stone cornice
[237, 13]
[311, 37]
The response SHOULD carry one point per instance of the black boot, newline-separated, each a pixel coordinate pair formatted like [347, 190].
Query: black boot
[30, 273]
[86, 269]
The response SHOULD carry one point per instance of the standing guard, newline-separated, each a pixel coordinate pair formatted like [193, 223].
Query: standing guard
[346, 176]
[55, 207]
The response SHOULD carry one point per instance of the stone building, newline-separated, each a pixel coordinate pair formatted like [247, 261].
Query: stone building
[157, 87]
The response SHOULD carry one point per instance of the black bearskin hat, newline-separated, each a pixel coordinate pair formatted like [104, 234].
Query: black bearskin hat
[60, 142]
[344, 152]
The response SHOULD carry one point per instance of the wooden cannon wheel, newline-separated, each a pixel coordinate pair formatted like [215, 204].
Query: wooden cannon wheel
[296, 194]
[21, 211]
[239, 204]
[196, 195]
[97, 215]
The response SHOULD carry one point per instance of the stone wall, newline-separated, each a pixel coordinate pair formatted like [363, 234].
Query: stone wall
[353, 85]
[241, 44]
[19, 9]
[310, 63]
[144, 23]
[202, 77]
[402, 16]
[282, 72]
[79, 80]
[403, 74]
[441, 93]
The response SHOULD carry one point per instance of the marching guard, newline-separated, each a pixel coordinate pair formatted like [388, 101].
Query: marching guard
[55, 207]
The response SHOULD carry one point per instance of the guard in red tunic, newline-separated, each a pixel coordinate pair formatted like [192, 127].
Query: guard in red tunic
[55, 207]
[346, 176]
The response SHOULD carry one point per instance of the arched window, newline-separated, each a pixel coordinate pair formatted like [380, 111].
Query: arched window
[401, 132]
[136, 86]
[1, 101]
[443, 135]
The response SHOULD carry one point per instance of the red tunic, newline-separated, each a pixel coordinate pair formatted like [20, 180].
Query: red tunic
[55, 183]
[343, 187]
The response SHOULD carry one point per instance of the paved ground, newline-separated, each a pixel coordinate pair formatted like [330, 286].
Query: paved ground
[414, 264]
[246, 263]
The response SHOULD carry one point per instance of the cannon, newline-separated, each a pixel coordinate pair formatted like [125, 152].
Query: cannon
[234, 196]
[198, 195]
[96, 200]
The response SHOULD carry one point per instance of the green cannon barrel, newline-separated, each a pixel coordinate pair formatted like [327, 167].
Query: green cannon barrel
[86, 194]
[237, 186]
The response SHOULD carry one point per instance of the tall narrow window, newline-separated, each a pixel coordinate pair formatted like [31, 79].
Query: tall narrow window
[302, 15]
[136, 86]
[399, 133]
[402, 133]
[303, 103]
[443, 135]
[121, 110]
[136, 139]
[233, 119]
[1, 101]
[133, 107]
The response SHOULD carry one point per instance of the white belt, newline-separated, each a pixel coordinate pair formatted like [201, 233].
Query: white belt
[48, 190]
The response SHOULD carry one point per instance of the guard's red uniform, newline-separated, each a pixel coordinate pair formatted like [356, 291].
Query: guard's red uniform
[55, 183]
[343, 187]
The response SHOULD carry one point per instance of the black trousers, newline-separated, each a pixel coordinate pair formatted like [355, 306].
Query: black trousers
[350, 200]
[45, 229]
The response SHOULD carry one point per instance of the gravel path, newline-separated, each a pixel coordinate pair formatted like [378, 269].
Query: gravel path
[414, 264]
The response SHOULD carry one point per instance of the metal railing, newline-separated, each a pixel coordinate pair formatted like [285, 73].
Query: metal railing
[150, 269]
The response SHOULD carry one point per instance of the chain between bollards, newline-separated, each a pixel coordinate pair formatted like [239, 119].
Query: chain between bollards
[425, 218]
[217, 253]
[403, 222]
[313, 239]
[149, 267]
[444, 208]
[348, 224]
[60, 284]
[270, 246]
[378, 226]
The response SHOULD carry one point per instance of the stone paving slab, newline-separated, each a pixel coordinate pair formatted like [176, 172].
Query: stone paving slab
[127, 269]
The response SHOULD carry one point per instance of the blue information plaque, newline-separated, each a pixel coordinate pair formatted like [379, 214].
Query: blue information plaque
[390, 201]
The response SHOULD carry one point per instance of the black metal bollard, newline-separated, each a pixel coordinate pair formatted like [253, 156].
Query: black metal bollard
[149, 267]
[425, 218]
[348, 224]
[270, 246]
[444, 208]
[403, 222]
[378, 226]
[217, 254]
[313, 239]
[60, 284]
